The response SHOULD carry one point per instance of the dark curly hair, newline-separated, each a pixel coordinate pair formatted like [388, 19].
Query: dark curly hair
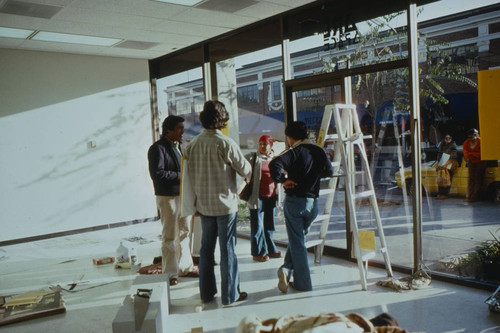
[214, 115]
[297, 130]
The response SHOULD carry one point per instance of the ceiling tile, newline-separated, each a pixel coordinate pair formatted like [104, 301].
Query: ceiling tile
[170, 26]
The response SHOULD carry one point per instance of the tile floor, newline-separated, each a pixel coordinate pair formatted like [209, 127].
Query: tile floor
[93, 303]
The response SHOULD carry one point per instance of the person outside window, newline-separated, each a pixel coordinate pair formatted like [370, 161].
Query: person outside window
[477, 168]
[164, 158]
[299, 169]
[446, 164]
[213, 160]
[262, 203]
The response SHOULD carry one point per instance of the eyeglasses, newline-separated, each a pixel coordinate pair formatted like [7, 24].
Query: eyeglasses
[447, 138]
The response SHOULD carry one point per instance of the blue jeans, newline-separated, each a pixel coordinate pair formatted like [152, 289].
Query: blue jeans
[262, 227]
[300, 212]
[223, 227]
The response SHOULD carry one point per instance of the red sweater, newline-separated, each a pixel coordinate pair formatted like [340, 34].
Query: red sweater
[472, 154]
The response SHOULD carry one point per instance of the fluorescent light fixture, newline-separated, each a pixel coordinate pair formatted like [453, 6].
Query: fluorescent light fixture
[74, 39]
[190, 3]
[15, 33]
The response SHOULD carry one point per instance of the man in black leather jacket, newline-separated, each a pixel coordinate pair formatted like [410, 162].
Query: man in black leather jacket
[164, 158]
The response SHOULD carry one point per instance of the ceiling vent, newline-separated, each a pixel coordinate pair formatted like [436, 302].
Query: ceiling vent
[29, 9]
[136, 45]
[227, 6]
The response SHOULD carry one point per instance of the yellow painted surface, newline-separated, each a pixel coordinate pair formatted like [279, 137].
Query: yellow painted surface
[459, 181]
[225, 130]
[367, 239]
[489, 113]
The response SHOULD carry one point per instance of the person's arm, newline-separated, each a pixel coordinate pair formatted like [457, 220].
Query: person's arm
[475, 154]
[238, 161]
[453, 152]
[465, 149]
[276, 168]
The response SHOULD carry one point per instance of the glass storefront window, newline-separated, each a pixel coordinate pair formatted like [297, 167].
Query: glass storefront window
[260, 100]
[358, 44]
[453, 230]
[384, 117]
[460, 238]
[182, 95]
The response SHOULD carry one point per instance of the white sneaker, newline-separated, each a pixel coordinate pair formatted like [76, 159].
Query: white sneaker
[283, 281]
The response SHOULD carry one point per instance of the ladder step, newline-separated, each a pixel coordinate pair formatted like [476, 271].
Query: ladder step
[331, 137]
[369, 255]
[322, 217]
[372, 254]
[326, 191]
[354, 137]
[313, 242]
[364, 194]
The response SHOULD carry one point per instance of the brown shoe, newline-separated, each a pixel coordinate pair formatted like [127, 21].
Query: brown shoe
[276, 254]
[243, 296]
[173, 281]
[261, 258]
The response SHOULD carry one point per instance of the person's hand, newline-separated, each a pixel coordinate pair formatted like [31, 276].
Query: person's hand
[289, 184]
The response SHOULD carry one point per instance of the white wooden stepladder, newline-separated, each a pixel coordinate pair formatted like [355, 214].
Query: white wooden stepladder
[348, 136]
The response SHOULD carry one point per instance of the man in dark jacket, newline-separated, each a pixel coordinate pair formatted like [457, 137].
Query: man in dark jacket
[164, 158]
[300, 169]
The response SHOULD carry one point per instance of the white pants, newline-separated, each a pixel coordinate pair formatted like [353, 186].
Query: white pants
[175, 237]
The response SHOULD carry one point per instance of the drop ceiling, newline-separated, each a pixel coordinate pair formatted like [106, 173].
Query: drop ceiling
[146, 29]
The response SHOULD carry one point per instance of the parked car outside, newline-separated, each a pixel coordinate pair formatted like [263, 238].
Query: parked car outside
[491, 185]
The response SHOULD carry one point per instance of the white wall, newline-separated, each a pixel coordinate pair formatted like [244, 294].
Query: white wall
[52, 106]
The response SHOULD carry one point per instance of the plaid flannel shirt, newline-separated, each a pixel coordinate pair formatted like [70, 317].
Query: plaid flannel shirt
[213, 161]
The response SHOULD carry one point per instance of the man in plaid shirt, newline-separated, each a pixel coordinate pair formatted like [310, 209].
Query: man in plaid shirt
[213, 160]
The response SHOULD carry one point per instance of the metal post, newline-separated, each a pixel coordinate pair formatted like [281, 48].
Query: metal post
[415, 137]
[289, 100]
[155, 121]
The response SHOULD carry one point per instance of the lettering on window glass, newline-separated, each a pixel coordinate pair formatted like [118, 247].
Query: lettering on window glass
[340, 38]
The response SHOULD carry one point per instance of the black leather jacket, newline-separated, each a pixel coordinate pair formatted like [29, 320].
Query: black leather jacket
[164, 169]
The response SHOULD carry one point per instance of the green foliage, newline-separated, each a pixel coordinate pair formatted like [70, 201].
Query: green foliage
[382, 42]
[243, 212]
[487, 254]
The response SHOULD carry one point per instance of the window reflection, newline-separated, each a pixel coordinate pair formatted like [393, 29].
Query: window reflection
[182, 94]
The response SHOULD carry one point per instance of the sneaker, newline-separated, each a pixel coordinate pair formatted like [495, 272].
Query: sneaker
[173, 281]
[275, 255]
[261, 258]
[283, 281]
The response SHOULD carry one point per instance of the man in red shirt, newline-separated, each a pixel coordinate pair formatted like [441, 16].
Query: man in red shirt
[477, 168]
